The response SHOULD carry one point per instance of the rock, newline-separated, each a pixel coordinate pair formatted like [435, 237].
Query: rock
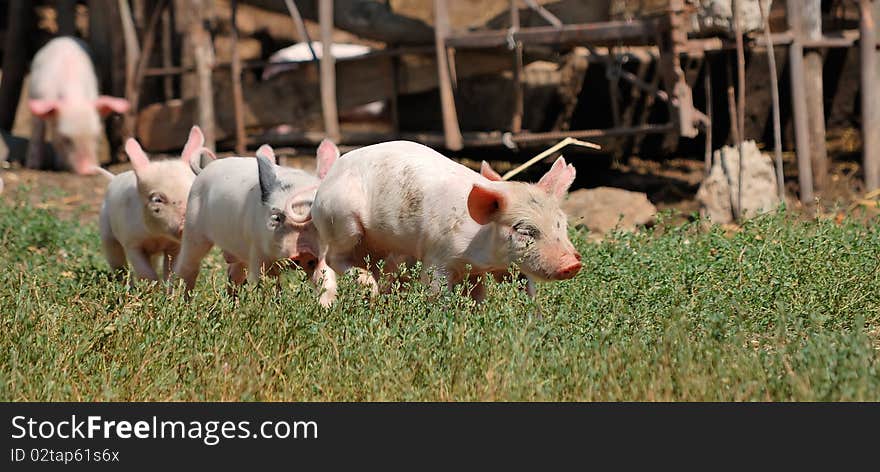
[605, 208]
[759, 184]
[716, 16]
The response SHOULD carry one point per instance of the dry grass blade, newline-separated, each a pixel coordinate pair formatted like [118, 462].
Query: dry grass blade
[547, 152]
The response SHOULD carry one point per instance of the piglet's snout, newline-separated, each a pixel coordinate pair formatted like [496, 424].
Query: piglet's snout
[305, 260]
[570, 266]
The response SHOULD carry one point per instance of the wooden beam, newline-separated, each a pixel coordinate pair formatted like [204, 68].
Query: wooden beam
[328, 72]
[870, 13]
[237, 94]
[636, 32]
[370, 19]
[451, 129]
[799, 103]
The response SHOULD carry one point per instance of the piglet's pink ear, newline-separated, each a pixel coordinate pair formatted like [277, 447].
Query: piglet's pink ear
[193, 146]
[43, 108]
[327, 155]
[267, 152]
[485, 203]
[107, 105]
[137, 156]
[488, 172]
[557, 180]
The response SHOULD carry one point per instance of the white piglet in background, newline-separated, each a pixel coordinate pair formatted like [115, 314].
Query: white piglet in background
[63, 91]
[404, 202]
[143, 212]
[258, 213]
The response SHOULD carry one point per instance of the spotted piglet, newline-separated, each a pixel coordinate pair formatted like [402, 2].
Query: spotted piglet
[404, 202]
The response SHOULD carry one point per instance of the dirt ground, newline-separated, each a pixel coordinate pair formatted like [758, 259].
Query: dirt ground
[669, 184]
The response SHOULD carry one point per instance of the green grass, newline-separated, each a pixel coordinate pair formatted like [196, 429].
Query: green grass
[783, 310]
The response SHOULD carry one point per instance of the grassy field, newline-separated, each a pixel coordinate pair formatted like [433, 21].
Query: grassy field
[782, 310]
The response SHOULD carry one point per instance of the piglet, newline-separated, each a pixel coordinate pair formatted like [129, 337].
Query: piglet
[258, 213]
[404, 202]
[142, 216]
[64, 92]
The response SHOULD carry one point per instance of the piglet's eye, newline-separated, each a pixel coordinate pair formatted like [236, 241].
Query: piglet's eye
[277, 217]
[526, 229]
[157, 198]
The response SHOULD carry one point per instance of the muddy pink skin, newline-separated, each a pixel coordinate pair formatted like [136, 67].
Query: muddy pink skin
[63, 92]
[142, 216]
[258, 213]
[403, 202]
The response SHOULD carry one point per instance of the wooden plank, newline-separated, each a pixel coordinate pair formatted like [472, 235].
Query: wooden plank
[870, 13]
[799, 104]
[451, 129]
[328, 72]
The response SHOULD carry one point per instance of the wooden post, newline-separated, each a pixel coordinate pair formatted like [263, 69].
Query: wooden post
[799, 102]
[203, 53]
[451, 130]
[66, 14]
[105, 29]
[516, 122]
[134, 84]
[167, 81]
[774, 95]
[870, 12]
[237, 93]
[707, 84]
[740, 105]
[811, 28]
[300, 26]
[16, 55]
[328, 72]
